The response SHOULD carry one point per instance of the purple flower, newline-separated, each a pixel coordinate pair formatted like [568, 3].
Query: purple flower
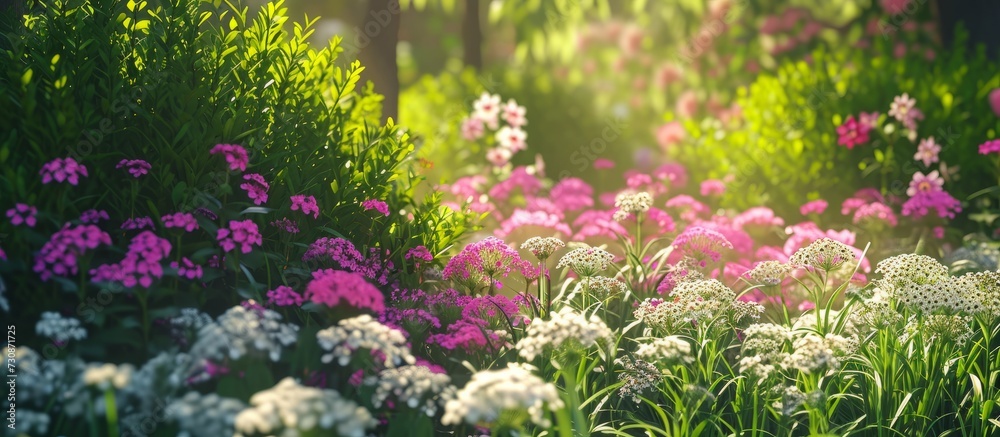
[377, 205]
[137, 223]
[180, 220]
[239, 232]
[58, 256]
[93, 216]
[63, 169]
[332, 287]
[286, 225]
[419, 253]
[187, 269]
[306, 204]
[142, 263]
[481, 262]
[3, 255]
[284, 296]
[136, 167]
[923, 202]
[992, 146]
[236, 155]
[22, 213]
[256, 188]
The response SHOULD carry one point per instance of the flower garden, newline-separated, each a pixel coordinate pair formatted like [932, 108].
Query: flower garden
[692, 218]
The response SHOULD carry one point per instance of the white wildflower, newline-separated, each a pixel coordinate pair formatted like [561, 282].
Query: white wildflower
[586, 261]
[542, 247]
[413, 385]
[290, 410]
[824, 254]
[364, 332]
[768, 273]
[491, 393]
[209, 415]
[630, 203]
[108, 375]
[637, 377]
[567, 329]
[60, 329]
[667, 350]
[240, 331]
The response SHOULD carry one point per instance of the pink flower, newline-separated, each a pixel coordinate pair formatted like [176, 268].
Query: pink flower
[58, 256]
[3, 255]
[142, 262]
[992, 146]
[236, 155]
[814, 207]
[923, 202]
[22, 213]
[377, 205]
[335, 287]
[138, 223]
[482, 261]
[472, 129]
[256, 187]
[689, 207]
[419, 253]
[873, 212]
[603, 164]
[667, 74]
[519, 178]
[512, 139]
[894, 7]
[286, 225]
[852, 133]
[674, 173]
[284, 296]
[687, 104]
[536, 219]
[61, 169]
[93, 216]
[135, 167]
[499, 156]
[187, 269]
[180, 220]
[868, 121]
[306, 204]
[713, 187]
[903, 108]
[921, 183]
[572, 194]
[994, 99]
[467, 336]
[670, 134]
[938, 232]
[597, 223]
[927, 151]
[758, 216]
[513, 114]
[701, 244]
[239, 232]
[487, 109]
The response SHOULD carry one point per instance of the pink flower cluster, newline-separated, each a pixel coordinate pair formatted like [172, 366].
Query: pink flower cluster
[854, 132]
[22, 213]
[467, 336]
[136, 167]
[992, 146]
[814, 207]
[701, 244]
[286, 225]
[875, 212]
[236, 156]
[335, 287]
[419, 254]
[377, 205]
[256, 187]
[284, 296]
[536, 219]
[339, 250]
[58, 256]
[93, 216]
[63, 169]
[572, 194]
[180, 220]
[141, 265]
[138, 223]
[713, 187]
[239, 232]
[482, 260]
[305, 203]
[187, 269]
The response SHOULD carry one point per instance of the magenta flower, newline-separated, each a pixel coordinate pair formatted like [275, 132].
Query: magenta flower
[921, 183]
[994, 99]
[419, 253]
[903, 108]
[286, 225]
[597, 223]
[93, 216]
[536, 219]
[868, 121]
[336, 249]
[689, 208]
[239, 232]
[3, 255]
[603, 164]
[519, 178]
[187, 269]
[923, 202]
[335, 287]
[992, 146]
[207, 213]
[63, 169]
[713, 187]
[814, 207]
[852, 133]
[22, 213]
[927, 151]
[180, 220]
[137, 223]
[701, 244]
[142, 263]
[894, 7]
[377, 205]
[467, 336]
[572, 194]
[481, 262]
[135, 167]
[938, 232]
[256, 188]
[236, 155]
[58, 256]
[875, 212]
[758, 216]
[284, 296]
[306, 204]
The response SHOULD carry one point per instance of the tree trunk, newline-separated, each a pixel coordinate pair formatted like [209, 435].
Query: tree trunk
[472, 36]
[979, 17]
[381, 27]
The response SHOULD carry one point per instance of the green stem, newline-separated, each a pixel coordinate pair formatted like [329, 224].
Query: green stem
[111, 412]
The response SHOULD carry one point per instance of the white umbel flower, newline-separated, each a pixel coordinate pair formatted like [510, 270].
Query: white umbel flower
[290, 410]
[586, 261]
[566, 329]
[542, 247]
[669, 350]
[60, 329]
[824, 254]
[364, 332]
[491, 393]
[240, 331]
[208, 415]
[414, 385]
[108, 375]
[629, 203]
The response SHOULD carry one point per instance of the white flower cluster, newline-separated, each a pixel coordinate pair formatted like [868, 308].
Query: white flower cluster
[637, 377]
[601, 286]
[824, 254]
[628, 203]
[950, 296]
[542, 247]
[240, 331]
[768, 273]
[162, 378]
[189, 322]
[364, 332]
[667, 350]
[985, 289]
[199, 415]
[106, 376]
[32, 422]
[948, 328]
[414, 385]
[814, 353]
[567, 329]
[291, 410]
[491, 393]
[60, 329]
[910, 268]
[875, 313]
[586, 261]
[763, 348]
[701, 300]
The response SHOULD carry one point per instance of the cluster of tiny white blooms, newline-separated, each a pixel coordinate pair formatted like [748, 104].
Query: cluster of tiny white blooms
[701, 300]
[364, 332]
[199, 415]
[566, 329]
[763, 349]
[811, 321]
[790, 398]
[290, 410]
[31, 422]
[163, 376]
[768, 273]
[491, 393]
[586, 261]
[824, 254]
[60, 329]
[950, 296]
[667, 350]
[108, 375]
[601, 286]
[240, 331]
[631, 203]
[948, 328]
[543, 247]
[985, 289]
[637, 377]
[189, 321]
[907, 268]
[812, 353]
[414, 385]
[875, 313]
[40, 380]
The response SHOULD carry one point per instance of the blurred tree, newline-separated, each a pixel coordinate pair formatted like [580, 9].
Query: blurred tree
[380, 25]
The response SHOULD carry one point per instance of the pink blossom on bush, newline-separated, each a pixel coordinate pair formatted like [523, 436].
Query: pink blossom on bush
[22, 213]
[180, 220]
[305, 203]
[670, 134]
[256, 187]
[514, 114]
[242, 233]
[286, 225]
[93, 216]
[923, 202]
[675, 173]
[472, 129]
[137, 223]
[875, 212]
[713, 187]
[851, 204]
[687, 104]
[758, 216]
[701, 244]
[519, 178]
[852, 133]
[419, 253]
[136, 167]
[236, 156]
[921, 183]
[63, 169]
[377, 205]
[927, 151]
[689, 207]
[187, 269]
[813, 207]
[467, 336]
[58, 256]
[597, 223]
[994, 99]
[141, 265]
[520, 218]
[335, 287]
[992, 146]
[478, 262]
[664, 222]
[903, 108]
